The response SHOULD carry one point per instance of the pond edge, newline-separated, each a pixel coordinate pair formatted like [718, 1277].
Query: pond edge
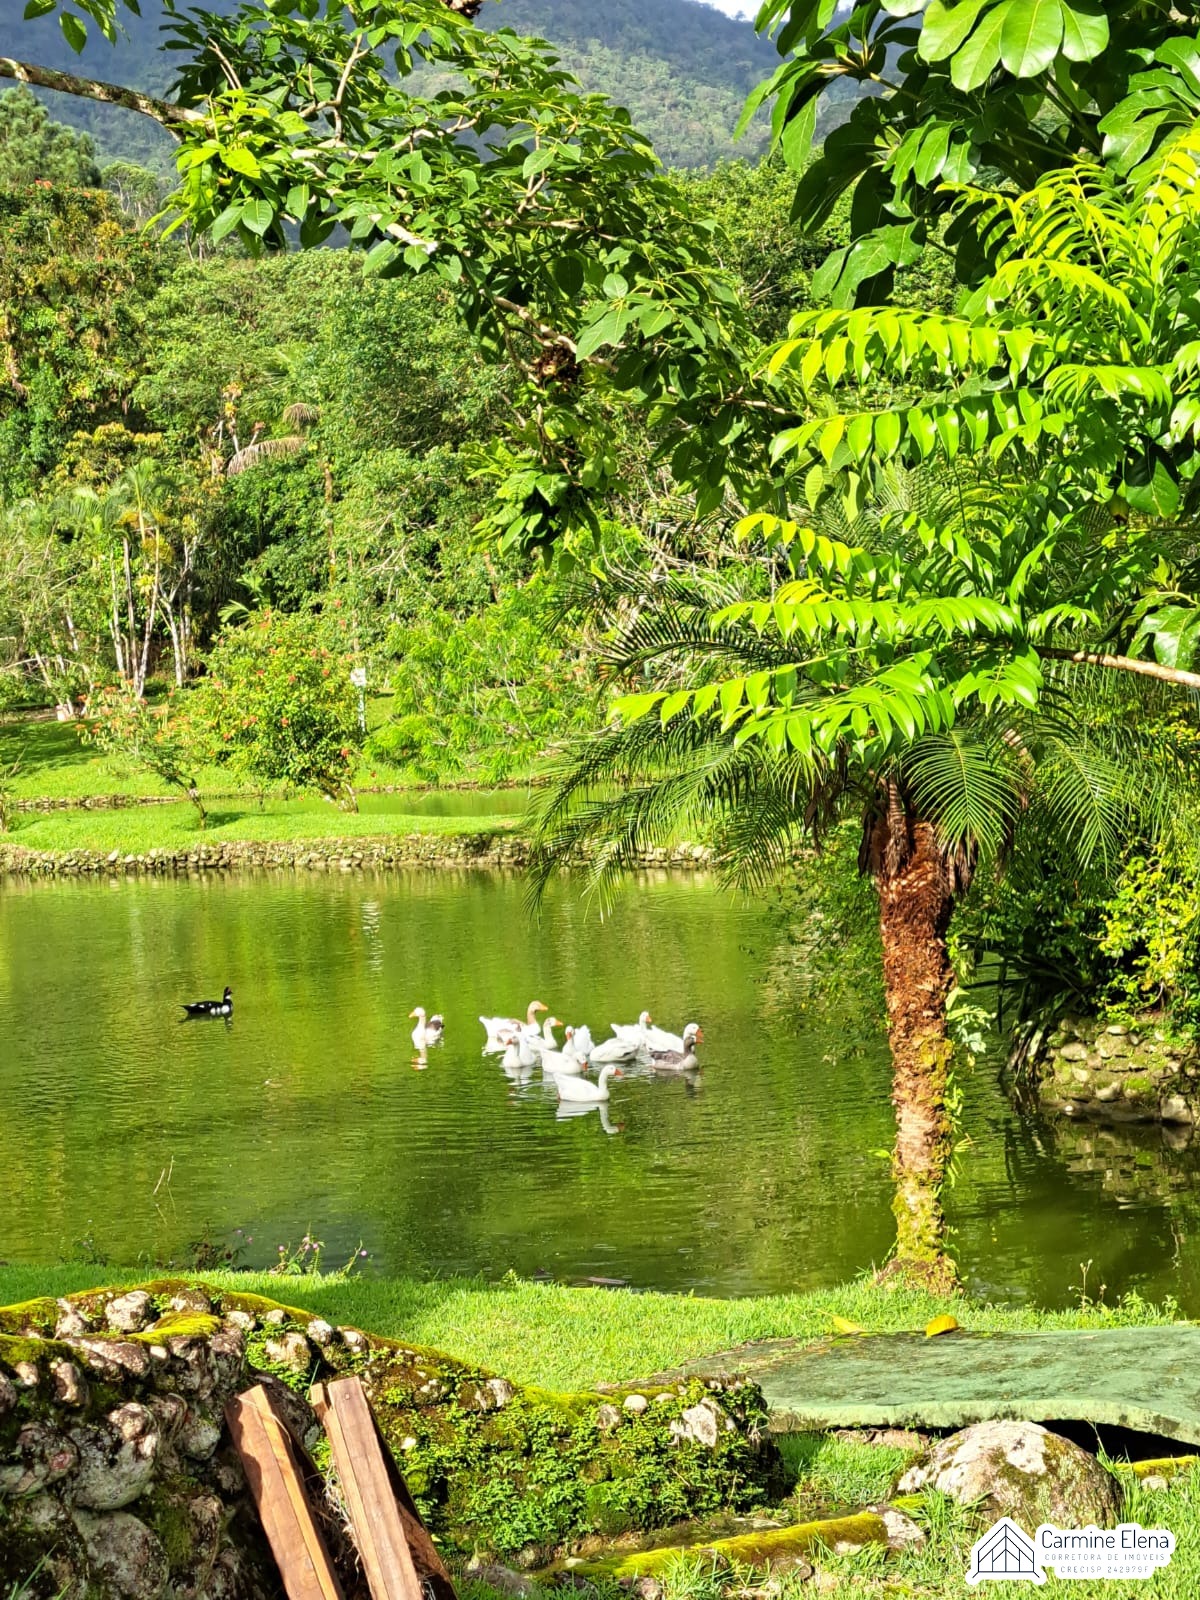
[489, 849]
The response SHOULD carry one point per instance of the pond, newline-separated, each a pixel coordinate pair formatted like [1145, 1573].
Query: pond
[131, 1134]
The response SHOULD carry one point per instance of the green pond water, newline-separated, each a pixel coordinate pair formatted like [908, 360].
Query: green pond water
[125, 1128]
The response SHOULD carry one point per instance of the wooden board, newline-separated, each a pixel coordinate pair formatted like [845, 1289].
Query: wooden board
[398, 1555]
[277, 1484]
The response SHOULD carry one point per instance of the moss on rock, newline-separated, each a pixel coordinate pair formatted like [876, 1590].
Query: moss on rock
[770, 1547]
[492, 1465]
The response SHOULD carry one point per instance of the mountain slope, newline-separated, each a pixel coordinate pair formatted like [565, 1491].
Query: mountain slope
[682, 69]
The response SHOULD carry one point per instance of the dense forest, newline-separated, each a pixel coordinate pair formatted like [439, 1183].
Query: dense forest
[681, 67]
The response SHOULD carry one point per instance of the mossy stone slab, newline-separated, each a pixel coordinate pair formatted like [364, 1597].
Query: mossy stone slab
[1147, 1379]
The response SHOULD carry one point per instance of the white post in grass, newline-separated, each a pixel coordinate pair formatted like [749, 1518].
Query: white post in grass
[358, 677]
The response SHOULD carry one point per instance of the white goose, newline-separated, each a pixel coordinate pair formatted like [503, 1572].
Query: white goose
[635, 1033]
[556, 1062]
[498, 1029]
[658, 1040]
[426, 1033]
[582, 1043]
[514, 1065]
[616, 1050]
[583, 1091]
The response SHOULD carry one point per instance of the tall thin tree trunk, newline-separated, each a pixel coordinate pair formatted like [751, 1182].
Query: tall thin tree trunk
[915, 902]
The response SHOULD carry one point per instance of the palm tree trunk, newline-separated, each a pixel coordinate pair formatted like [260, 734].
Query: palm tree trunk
[915, 902]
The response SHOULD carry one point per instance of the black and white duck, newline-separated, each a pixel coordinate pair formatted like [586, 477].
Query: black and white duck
[210, 1008]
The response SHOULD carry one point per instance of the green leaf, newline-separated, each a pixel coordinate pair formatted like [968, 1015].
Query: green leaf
[1085, 31]
[887, 433]
[258, 215]
[932, 157]
[946, 26]
[796, 140]
[1031, 35]
[538, 160]
[606, 330]
[380, 256]
[979, 57]
[74, 31]
[226, 222]
[238, 159]
[568, 274]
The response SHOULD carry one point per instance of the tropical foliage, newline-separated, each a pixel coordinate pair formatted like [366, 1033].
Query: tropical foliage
[960, 580]
[959, 92]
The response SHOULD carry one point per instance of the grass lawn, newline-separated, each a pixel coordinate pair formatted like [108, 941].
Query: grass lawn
[56, 764]
[174, 827]
[573, 1338]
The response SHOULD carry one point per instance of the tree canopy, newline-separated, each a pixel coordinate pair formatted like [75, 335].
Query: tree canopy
[33, 149]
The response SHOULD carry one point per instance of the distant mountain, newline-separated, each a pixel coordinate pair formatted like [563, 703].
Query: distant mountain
[681, 68]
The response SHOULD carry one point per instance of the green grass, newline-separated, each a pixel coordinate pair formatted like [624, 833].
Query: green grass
[57, 765]
[137, 829]
[572, 1338]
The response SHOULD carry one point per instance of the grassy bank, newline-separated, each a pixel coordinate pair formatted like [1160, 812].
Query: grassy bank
[571, 1338]
[175, 827]
[55, 763]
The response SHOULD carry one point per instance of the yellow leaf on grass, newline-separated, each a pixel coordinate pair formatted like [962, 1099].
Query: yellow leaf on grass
[843, 1326]
[942, 1324]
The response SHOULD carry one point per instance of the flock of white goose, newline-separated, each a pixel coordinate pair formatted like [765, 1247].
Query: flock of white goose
[525, 1046]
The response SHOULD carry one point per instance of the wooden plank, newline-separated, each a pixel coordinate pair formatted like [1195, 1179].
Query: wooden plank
[362, 1472]
[277, 1486]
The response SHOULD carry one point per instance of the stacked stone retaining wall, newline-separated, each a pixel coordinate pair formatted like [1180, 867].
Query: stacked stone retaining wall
[1119, 1073]
[493, 850]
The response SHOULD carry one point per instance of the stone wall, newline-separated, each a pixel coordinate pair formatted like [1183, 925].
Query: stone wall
[1089, 1068]
[493, 849]
[118, 1475]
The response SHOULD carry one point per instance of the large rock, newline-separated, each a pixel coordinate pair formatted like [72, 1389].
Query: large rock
[116, 1460]
[1019, 1470]
[125, 1555]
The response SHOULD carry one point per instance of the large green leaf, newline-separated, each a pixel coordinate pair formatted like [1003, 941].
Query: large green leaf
[257, 215]
[1031, 35]
[946, 26]
[1085, 31]
[980, 56]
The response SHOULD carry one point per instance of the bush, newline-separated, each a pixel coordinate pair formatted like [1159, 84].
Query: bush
[279, 707]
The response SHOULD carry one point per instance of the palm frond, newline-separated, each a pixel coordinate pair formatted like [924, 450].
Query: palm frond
[253, 455]
[301, 415]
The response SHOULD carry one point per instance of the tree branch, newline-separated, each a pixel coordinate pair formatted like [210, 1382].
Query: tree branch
[1144, 669]
[546, 334]
[111, 94]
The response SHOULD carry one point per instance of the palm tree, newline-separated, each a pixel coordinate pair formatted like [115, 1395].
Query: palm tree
[764, 733]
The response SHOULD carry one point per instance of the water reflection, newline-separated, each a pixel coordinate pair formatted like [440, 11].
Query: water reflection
[759, 1173]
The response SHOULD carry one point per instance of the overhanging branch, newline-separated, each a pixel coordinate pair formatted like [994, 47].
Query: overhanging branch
[1144, 669]
[110, 94]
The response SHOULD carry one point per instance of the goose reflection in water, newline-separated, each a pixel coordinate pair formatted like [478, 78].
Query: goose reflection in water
[568, 1109]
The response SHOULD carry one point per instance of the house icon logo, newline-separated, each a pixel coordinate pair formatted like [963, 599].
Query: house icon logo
[1004, 1551]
